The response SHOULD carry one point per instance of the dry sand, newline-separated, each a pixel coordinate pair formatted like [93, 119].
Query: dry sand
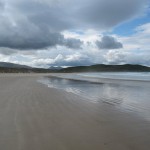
[35, 117]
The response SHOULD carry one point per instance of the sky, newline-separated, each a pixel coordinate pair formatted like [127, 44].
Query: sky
[45, 33]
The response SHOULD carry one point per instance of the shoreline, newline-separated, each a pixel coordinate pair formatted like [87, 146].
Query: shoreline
[77, 77]
[35, 117]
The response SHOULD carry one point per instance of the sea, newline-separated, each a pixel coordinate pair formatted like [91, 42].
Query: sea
[140, 76]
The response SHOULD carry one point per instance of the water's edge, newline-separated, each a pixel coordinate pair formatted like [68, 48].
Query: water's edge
[127, 95]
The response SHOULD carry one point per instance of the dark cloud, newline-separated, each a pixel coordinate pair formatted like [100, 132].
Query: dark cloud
[38, 41]
[33, 25]
[108, 42]
[18, 41]
[36, 24]
[73, 43]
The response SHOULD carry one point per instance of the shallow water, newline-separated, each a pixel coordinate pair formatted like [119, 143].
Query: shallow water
[139, 76]
[127, 97]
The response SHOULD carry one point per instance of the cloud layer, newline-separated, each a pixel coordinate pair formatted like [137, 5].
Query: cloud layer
[45, 33]
[36, 24]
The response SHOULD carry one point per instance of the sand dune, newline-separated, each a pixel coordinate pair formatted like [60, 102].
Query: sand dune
[35, 117]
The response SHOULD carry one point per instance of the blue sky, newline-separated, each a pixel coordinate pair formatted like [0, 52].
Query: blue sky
[128, 28]
[74, 32]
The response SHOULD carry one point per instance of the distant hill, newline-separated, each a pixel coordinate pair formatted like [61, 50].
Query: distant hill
[12, 65]
[16, 68]
[55, 68]
[107, 68]
[6, 67]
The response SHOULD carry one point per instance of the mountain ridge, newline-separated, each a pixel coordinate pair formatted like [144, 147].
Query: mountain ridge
[108, 68]
[13, 65]
[17, 68]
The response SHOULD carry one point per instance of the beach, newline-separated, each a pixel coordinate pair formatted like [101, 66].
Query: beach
[36, 117]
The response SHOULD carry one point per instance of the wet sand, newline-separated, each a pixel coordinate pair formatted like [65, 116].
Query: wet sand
[35, 117]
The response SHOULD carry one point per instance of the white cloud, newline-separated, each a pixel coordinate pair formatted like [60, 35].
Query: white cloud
[136, 48]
